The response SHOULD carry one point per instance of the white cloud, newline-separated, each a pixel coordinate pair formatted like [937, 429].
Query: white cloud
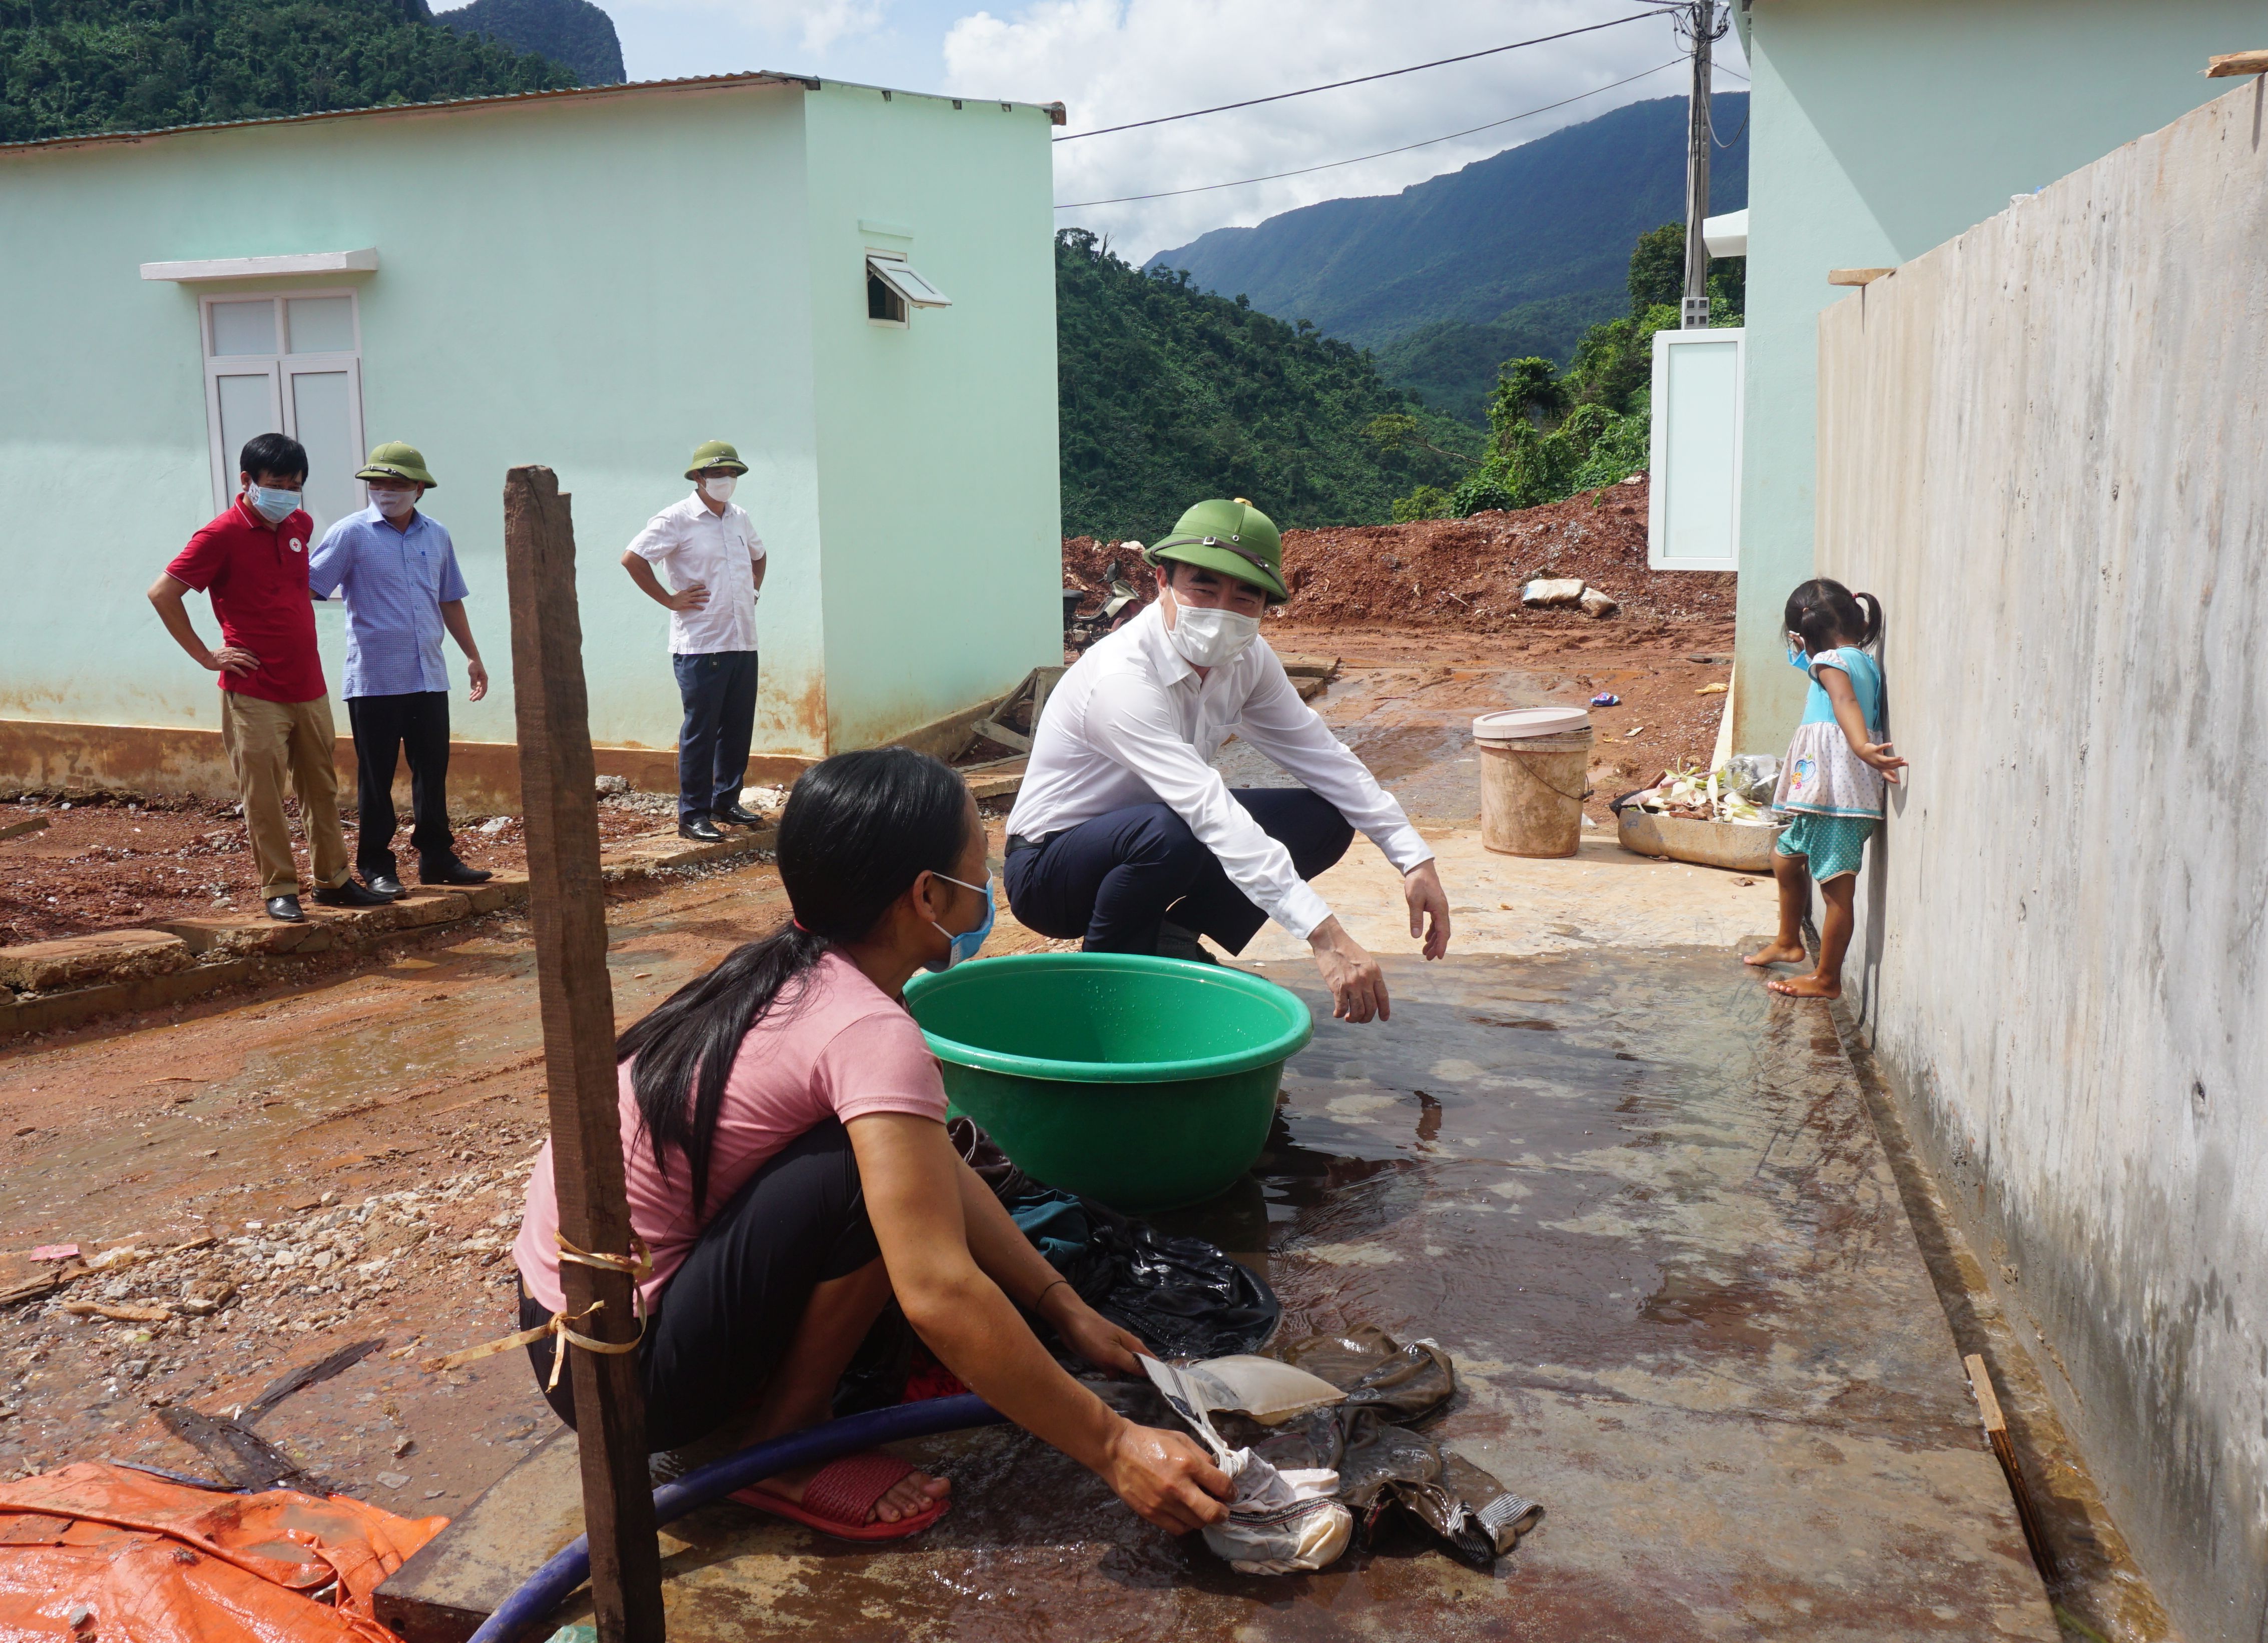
[1113, 61]
[815, 26]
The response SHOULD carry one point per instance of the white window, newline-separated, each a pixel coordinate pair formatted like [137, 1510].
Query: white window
[894, 286]
[1693, 507]
[287, 365]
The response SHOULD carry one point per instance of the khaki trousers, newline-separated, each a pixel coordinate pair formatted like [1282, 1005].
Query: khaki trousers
[273, 746]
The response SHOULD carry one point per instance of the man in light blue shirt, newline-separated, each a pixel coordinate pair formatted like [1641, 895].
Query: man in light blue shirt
[397, 569]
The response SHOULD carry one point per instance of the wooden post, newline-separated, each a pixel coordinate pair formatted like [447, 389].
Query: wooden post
[559, 797]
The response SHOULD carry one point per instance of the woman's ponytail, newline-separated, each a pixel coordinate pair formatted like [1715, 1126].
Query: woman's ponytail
[857, 830]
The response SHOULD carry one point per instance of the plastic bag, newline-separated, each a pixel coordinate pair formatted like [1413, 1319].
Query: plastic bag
[1268, 1391]
[1280, 1522]
[1184, 1296]
[1753, 775]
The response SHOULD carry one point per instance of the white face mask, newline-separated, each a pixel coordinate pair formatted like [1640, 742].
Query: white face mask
[393, 504]
[1211, 637]
[718, 490]
[275, 506]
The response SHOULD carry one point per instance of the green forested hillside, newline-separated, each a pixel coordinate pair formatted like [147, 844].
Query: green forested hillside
[573, 32]
[1514, 255]
[1167, 397]
[69, 66]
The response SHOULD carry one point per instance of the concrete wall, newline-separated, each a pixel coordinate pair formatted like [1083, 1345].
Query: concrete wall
[938, 472]
[2045, 445]
[1882, 128]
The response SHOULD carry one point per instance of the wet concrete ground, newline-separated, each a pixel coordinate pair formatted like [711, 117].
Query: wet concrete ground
[1642, 1206]
[1640, 1201]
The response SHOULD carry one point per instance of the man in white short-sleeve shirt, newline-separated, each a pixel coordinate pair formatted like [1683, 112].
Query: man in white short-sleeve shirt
[1124, 834]
[716, 565]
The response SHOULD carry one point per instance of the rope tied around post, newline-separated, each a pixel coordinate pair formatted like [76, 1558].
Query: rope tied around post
[637, 1265]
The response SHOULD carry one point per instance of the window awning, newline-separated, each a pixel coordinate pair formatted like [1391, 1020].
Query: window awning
[1726, 236]
[361, 261]
[900, 276]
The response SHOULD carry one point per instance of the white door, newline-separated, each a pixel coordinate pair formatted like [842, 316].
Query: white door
[287, 365]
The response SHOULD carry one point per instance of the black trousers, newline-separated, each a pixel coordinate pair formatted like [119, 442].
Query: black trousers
[729, 1312]
[719, 693]
[416, 723]
[1115, 879]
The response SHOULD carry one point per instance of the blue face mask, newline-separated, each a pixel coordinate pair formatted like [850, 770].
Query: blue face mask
[275, 506]
[1798, 657]
[966, 944]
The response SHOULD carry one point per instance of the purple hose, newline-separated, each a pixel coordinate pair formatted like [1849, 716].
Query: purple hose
[570, 1567]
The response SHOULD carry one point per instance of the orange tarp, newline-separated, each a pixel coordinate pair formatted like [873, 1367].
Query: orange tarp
[158, 1562]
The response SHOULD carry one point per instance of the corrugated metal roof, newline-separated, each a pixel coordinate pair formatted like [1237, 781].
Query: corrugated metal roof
[759, 76]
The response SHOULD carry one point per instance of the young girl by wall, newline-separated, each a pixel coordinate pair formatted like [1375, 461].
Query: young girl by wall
[1831, 781]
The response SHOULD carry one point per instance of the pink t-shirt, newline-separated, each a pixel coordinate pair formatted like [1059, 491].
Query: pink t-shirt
[839, 1047]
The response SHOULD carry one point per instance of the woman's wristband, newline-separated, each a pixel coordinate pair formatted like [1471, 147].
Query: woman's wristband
[1040, 1299]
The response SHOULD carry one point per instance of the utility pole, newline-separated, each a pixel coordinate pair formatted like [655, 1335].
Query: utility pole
[1701, 24]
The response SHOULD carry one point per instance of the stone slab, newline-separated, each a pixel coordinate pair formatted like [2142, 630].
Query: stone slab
[457, 1580]
[78, 960]
[145, 992]
[652, 851]
[247, 934]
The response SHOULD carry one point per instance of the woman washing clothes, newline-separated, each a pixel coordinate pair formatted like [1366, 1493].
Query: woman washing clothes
[784, 1144]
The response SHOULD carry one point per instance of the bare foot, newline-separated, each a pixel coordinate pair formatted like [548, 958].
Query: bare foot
[1805, 987]
[909, 1497]
[1777, 953]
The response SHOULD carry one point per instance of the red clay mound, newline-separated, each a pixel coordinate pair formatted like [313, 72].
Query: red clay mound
[1466, 573]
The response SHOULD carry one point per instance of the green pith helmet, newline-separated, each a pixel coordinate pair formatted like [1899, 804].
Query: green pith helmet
[715, 454]
[396, 461]
[1232, 538]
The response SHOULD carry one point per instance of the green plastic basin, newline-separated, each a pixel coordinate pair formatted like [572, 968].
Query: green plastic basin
[1148, 1083]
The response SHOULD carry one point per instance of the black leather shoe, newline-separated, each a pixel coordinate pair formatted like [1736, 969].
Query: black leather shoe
[452, 872]
[286, 908]
[1176, 942]
[701, 829]
[385, 884]
[352, 895]
[739, 815]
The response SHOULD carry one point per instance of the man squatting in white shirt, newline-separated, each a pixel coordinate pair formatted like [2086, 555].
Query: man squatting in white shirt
[1125, 834]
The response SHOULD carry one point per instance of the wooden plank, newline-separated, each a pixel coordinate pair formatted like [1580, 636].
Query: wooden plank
[17, 829]
[1044, 681]
[1857, 276]
[2228, 65]
[993, 730]
[2004, 1450]
[567, 912]
[244, 1458]
[306, 1375]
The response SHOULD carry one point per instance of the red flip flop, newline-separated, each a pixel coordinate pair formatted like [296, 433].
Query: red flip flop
[837, 1501]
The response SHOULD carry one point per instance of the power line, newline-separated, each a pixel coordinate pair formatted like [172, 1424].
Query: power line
[1361, 79]
[1331, 164]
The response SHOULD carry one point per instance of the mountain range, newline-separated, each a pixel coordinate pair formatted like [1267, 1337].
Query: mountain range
[1512, 255]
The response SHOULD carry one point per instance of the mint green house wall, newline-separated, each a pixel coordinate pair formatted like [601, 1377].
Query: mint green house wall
[1884, 128]
[593, 282]
[938, 466]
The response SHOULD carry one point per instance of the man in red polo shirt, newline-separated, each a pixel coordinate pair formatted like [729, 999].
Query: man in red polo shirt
[275, 711]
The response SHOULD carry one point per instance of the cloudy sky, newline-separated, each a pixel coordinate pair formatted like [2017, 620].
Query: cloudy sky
[1112, 61]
